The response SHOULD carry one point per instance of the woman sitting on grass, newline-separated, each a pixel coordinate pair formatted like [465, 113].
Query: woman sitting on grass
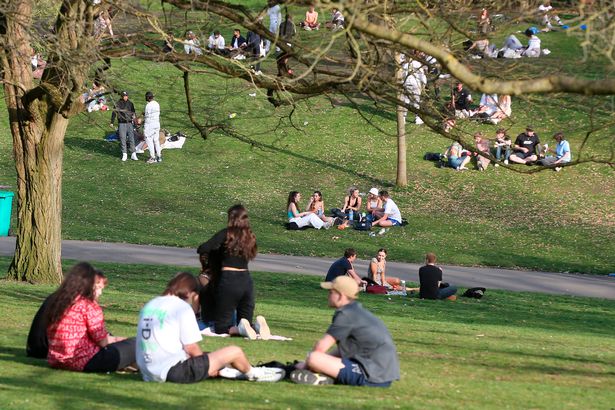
[376, 272]
[457, 157]
[374, 203]
[302, 219]
[232, 289]
[352, 204]
[317, 206]
[78, 339]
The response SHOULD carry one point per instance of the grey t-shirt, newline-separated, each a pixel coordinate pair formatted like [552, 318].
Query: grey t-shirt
[363, 337]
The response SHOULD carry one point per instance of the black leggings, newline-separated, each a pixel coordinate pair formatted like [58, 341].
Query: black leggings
[233, 291]
[113, 357]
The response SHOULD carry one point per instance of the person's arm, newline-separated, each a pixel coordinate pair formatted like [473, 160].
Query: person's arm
[373, 268]
[324, 344]
[113, 113]
[383, 275]
[359, 202]
[346, 202]
[193, 350]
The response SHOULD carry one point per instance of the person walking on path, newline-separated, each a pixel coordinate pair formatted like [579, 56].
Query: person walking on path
[365, 354]
[151, 128]
[125, 112]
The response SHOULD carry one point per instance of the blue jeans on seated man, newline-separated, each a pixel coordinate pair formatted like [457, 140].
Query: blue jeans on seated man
[498, 153]
[443, 293]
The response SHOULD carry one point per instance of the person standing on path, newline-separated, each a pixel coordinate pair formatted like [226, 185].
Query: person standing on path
[151, 128]
[125, 112]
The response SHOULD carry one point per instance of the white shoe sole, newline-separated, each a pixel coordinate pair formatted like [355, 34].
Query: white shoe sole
[263, 328]
[246, 330]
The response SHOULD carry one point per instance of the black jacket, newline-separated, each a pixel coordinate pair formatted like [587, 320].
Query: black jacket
[125, 111]
[240, 40]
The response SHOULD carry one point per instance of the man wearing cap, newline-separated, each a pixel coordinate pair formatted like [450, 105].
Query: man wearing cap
[525, 147]
[125, 112]
[365, 353]
[151, 128]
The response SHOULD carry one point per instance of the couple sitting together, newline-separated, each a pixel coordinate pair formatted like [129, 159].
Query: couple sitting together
[381, 210]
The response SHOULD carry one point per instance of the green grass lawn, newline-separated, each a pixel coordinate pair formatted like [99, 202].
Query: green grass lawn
[549, 221]
[508, 350]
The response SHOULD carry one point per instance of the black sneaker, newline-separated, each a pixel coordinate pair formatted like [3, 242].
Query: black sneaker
[308, 377]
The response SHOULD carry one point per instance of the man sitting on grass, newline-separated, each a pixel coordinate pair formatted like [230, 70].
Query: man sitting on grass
[390, 215]
[168, 339]
[365, 353]
[430, 277]
[343, 266]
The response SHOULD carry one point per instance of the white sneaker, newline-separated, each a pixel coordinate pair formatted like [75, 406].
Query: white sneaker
[262, 328]
[134, 156]
[382, 231]
[266, 374]
[419, 121]
[505, 162]
[124, 157]
[231, 373]
[496, 165]
[245, 329]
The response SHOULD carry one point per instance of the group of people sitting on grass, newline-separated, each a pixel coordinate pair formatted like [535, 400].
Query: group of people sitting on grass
[70, 332]
[430, 276]
[379, 210]
[526, 149]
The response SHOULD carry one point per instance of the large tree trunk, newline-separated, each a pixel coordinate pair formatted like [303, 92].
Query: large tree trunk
[38, 116]
[38, 135]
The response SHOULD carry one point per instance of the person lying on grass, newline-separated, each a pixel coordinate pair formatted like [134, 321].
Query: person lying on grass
[365, 353]
[78, 339]
[168, 339]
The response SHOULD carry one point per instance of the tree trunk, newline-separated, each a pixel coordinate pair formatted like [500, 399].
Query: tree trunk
[38, 126]
[39, 197]
[402, 177]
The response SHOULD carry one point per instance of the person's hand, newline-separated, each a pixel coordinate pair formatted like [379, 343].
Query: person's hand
[524, 150]
[111, 125]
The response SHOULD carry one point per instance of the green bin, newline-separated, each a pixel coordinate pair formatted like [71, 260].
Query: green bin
[6, 205]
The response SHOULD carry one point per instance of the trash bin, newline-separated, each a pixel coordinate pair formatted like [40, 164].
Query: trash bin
[6, 205]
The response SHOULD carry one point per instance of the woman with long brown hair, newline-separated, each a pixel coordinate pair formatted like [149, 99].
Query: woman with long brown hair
[78, 339]
[231, 288]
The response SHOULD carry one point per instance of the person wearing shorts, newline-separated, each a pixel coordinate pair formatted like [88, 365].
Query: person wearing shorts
[525, 147]
[365, 354]
[168, 339]
[391, 215]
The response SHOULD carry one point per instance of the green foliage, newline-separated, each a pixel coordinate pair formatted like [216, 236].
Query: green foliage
[519, 350]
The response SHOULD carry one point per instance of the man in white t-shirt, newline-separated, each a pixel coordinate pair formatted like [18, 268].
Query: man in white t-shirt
[168, 339]
[390, 215]
[151, 128]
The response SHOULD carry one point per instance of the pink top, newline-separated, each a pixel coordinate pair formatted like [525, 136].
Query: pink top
[311, 17]
[73, 340]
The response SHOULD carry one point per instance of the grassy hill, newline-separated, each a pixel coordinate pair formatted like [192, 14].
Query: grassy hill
[553, 221]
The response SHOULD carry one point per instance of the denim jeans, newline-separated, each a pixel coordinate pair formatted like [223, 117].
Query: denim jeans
[446, 292]
[498, 152]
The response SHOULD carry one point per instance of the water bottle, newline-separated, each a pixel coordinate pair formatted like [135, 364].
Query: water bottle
[403, 287]
[351, 215]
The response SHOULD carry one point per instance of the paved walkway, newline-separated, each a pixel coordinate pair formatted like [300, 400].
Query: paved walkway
[491, 278]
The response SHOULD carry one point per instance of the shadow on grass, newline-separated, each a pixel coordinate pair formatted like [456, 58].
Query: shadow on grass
[99, 146]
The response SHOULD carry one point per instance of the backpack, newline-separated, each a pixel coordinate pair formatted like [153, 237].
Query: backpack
[432, 156]
[376, 289]
[363, 226]
[475, 293]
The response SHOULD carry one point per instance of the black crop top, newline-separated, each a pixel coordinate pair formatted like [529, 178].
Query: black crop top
[217, 242]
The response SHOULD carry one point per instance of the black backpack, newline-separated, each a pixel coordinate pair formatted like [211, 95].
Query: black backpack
[363, 225]
[475, 293]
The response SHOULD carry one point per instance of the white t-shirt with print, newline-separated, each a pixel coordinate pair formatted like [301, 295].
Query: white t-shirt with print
[391, 209]
[166, 325]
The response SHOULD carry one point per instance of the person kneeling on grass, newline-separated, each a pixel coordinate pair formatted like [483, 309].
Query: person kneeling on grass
[168, 337]
[365, 353]
[430, 277]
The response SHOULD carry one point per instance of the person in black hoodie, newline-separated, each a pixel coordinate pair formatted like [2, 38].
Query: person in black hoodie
[125, 112]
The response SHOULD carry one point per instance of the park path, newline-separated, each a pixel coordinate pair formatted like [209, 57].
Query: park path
[491, 278]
